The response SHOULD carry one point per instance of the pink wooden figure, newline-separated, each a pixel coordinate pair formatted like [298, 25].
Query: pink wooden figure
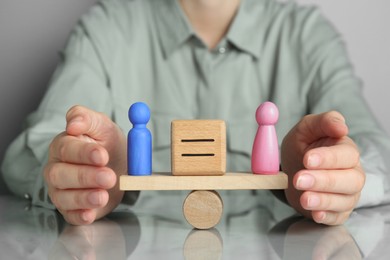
[265, 151]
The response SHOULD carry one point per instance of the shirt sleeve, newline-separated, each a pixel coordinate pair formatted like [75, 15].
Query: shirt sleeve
[336, 87]
[79, 75]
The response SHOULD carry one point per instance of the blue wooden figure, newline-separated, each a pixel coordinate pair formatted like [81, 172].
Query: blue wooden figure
[139, 141]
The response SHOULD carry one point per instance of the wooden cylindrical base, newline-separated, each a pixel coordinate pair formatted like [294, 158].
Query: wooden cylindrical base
[203, 209]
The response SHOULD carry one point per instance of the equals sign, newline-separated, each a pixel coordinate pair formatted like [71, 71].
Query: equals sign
[197, 141]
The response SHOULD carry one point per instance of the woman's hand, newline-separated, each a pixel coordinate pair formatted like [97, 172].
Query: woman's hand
[323, 165]
[83, 167]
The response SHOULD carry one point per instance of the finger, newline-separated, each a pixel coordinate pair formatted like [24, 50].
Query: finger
[317, 201]
[79, 199]
[79, 217]
[74, 150]
[72, 176]
[342, 155]
[83, 121]
[349, 181]
[330, 218]
[329, 124]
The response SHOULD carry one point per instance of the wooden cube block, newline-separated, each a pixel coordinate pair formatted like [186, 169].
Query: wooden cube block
[198, 147]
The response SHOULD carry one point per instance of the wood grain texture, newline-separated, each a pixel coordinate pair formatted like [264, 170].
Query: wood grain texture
[229, 181]
[198, 147]
[203, 209]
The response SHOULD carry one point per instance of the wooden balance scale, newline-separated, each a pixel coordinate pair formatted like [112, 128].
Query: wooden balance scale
[198, 150]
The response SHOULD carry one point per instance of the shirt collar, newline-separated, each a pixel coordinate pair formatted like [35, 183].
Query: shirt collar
[172, 25]
[245, 32]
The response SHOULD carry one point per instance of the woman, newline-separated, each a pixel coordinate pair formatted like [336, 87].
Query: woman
[201, 59]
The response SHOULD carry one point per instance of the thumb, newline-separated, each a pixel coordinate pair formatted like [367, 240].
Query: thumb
[83, 121]
[328, 124]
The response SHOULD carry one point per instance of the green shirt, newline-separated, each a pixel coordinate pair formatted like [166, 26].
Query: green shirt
[125, 51]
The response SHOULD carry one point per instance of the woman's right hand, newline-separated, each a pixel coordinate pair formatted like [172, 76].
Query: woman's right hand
[84, 164]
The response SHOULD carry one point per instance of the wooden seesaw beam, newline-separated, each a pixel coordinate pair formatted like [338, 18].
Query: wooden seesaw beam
[228, 181]
[203, 206]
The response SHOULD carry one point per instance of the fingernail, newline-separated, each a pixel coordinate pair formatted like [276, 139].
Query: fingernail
[85, 217]
[94, 198]
[95, 156]
[76, 120]
[314, 160]
[321, 217]
[305, 181]
[103, 178]
[338, 120]
[313, 201]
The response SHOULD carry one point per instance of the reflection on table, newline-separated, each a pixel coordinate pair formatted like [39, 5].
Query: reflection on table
[254, 226]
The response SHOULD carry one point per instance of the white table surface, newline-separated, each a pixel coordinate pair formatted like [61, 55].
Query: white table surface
[254, 226]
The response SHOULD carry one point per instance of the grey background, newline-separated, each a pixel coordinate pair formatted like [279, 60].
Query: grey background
[32, 33]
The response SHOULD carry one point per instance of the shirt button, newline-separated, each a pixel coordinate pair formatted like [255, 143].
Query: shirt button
[27, 196]
[222, 50]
